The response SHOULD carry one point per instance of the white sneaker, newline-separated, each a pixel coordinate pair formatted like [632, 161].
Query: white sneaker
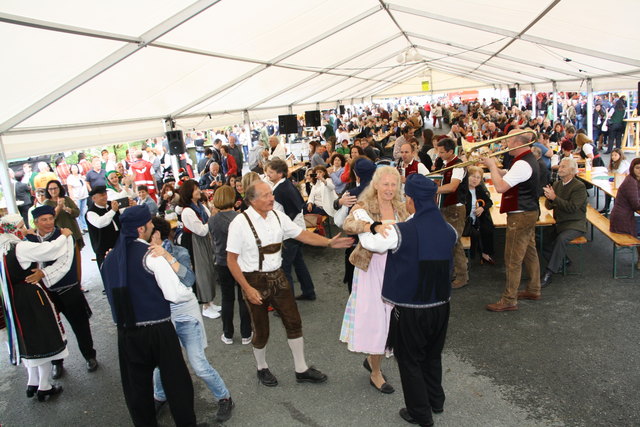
[246, 341]
[215, 307]
[226, 340]
[210, 313]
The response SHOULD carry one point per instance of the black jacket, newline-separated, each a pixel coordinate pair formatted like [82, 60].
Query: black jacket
[481, 194]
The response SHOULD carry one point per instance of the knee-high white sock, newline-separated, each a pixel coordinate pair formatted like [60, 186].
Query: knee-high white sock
[44, 371]
[261, 357]
[34, 378]
[297, 350]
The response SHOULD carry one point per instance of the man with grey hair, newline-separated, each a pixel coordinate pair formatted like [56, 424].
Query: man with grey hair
[236, 151]
[568, 199]
[254, 258]
[276, 149]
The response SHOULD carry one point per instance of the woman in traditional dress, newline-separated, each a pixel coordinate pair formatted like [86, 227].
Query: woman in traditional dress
[35, 334]
[366, 320]
[196, 238]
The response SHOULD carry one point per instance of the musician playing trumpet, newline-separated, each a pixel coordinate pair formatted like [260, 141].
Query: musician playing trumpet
[452, 205]
[520, 190]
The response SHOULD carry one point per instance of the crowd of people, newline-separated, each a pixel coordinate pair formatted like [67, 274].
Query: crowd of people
[236, 222]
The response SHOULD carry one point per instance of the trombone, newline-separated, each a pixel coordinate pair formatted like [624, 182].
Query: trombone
[469, 147]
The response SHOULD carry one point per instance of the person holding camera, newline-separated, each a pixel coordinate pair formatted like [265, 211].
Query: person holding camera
[119, 189]
[212, 179]
[319, 183]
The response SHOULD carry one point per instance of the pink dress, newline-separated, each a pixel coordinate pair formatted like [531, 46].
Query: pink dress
[365, 324]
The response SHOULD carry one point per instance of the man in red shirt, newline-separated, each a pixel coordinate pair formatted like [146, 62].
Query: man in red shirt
[142, 171]
[62, 169]
[84, 164]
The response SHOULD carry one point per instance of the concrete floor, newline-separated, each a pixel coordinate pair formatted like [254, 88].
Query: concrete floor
[569, 359]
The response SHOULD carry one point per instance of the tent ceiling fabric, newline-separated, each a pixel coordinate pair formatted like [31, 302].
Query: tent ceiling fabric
[93, 73]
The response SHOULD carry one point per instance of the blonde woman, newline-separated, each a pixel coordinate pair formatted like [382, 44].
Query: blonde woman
[366, 319]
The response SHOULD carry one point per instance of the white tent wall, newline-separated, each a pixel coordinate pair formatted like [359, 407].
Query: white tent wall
[87, 73]
[439, 82]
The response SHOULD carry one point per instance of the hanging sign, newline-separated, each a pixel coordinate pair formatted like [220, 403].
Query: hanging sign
[426, 86]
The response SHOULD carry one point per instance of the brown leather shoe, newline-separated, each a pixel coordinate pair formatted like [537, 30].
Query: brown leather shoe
[529, 295]
[457, 285]
[500, 306]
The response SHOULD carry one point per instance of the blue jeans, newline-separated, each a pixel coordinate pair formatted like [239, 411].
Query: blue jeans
[245, 149]
[199, 156]
[190, 334]
[82, 205]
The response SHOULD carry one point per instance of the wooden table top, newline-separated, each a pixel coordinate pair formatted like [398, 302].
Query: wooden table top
[296, 167]
[600, 180]
[500, 219]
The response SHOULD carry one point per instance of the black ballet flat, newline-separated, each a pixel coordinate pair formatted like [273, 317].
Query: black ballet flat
[367, 366]
[51, 392]
[31, 390]
[489, 260]
[385, 388]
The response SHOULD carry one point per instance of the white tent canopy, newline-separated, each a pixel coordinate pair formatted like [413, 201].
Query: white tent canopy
[79, 73]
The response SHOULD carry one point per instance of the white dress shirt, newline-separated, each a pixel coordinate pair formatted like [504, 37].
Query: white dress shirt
[101, 221]
[168, 281]
[56, 271]
[278, 153]
[193, 223]
[58, 249]
[242, 242]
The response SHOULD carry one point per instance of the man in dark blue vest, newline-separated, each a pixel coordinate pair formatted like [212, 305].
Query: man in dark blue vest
[65, 293]
[139, 288]
[417, 281]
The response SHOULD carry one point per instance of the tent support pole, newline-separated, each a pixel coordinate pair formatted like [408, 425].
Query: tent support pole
[9, 196]
[555, 101]
[175, 166]
[534, 99]
[590, 111]
[247, 120]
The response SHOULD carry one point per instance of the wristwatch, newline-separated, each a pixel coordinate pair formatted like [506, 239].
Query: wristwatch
[372, 227]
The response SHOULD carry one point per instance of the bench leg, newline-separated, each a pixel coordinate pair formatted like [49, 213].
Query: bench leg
[615, 266]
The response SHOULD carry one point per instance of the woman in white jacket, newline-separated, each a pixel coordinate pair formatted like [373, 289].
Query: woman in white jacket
[322, 184]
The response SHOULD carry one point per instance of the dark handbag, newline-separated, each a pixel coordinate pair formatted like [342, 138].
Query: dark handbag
[468, 227]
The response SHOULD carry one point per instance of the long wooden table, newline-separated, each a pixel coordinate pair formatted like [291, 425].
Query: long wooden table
[296, 167]
[500, 219]
[601, 182]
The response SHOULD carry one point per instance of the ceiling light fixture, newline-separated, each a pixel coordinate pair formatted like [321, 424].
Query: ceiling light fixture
[411, 54]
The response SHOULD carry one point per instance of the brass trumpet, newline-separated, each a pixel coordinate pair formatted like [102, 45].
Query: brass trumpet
[469, 147]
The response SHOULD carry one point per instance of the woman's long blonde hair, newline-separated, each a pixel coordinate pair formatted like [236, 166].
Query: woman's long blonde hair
[369, 197]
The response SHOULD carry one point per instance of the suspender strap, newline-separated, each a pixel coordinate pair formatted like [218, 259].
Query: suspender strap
[269, 249]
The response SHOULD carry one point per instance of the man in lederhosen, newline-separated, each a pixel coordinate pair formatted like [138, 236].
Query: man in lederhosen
[520, 189]
[254, 259]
